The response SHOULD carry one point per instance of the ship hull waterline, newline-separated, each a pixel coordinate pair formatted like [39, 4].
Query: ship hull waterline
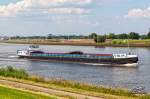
[123, 62]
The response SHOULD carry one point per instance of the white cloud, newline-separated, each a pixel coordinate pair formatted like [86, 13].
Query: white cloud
[50, 6]
[14, 8]
[81, 20]
[62, 2]
[139, 13]
[67, 11]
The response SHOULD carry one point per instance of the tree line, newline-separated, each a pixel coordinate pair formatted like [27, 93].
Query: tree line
[51, 36]
[132, 35]
[97, 37]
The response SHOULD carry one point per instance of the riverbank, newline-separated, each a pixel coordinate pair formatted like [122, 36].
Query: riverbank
[83, 42]
[62, 88]
[8, 92]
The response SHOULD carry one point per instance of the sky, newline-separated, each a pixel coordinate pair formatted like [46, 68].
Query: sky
[68, 17]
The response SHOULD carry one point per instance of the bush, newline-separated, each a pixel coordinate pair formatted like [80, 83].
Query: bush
[11, 72]
[119, 42]
[114, 42]
[133, 35]
[36, 79]
[100, 39]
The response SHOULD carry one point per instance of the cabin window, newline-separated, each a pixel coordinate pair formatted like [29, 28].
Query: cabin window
[122, 55]
[118, 55]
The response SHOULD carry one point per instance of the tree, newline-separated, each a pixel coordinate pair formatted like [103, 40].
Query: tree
[143, 36]
[111, 36]
[148, 35]
[123, 36]
[93, 36]
[100, 39]
[15, 37]
[50, 36]
[133, 35]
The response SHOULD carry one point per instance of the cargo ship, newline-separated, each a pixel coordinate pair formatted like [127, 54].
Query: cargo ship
[127, 60]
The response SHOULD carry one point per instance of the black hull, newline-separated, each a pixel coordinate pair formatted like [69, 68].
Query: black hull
[110, 61]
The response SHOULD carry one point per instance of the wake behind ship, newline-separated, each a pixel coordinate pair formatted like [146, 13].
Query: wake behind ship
[126, 60]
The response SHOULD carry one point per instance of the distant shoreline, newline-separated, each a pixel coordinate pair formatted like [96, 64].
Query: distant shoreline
[77, 43]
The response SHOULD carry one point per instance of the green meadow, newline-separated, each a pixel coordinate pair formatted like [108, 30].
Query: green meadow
[10, 93]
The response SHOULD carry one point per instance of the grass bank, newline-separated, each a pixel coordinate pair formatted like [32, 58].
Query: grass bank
[75, 42]
[12, 93]
[68, 86]
[84, 42]
[132, 43]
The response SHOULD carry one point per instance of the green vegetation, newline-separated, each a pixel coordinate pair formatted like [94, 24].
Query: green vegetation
[116, 41]
[100, 39]
[87, 42]
[123, 36]
[15, 73]
[131, 42]
[148, 35]
[111, 36]
[68, 85]
[51, 36]
[10, 93]
[93, 36]
[134, 35]
[97, 38]
[131, 35]
[94, 39]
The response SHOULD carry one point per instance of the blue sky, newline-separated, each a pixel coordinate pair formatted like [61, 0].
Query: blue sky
[41, 17]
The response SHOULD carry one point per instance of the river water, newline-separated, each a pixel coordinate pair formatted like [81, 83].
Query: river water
[107, 76]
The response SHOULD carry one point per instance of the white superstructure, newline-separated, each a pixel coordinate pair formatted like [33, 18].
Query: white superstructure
[124, 55]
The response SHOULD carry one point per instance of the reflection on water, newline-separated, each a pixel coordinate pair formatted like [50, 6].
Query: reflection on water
[108, 76]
